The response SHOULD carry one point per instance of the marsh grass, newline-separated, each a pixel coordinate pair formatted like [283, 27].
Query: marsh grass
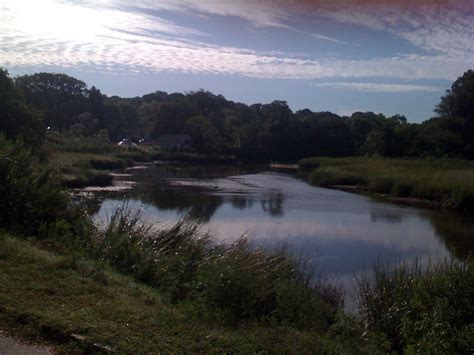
[243, 283]
[163, 258]
[448, 182]
[421, 309]
[235, 283]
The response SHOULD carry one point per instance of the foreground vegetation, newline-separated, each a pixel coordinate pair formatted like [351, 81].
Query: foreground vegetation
[447, 182]
[80, 304]
[422, 310]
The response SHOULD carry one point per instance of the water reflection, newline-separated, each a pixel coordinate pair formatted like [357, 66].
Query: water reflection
[273, 205]
[456, 232]
[345, 233]
[386, 216]
[201, 195]
[241, 202]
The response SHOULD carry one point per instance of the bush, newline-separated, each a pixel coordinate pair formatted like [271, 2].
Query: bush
[32, 198]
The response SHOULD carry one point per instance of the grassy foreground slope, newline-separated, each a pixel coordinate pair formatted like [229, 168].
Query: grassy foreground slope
[81, 305]
[447, 182]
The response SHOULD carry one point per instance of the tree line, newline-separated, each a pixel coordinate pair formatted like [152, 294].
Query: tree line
[32, 104]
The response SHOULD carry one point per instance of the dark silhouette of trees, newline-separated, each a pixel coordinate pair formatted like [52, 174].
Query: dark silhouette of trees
[456, 110]
[17, 117]
[59, 96]
[265, 132]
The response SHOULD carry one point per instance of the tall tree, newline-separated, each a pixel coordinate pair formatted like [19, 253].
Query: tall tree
[459, 100]
[61, 97]
[457, 106]
[95, 104]
[16, 116]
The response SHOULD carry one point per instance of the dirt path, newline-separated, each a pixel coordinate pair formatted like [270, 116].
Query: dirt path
[11, 346]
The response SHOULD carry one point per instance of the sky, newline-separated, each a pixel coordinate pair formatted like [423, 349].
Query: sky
[392, 56]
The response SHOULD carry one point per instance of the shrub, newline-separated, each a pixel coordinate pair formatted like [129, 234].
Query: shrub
[32, 198]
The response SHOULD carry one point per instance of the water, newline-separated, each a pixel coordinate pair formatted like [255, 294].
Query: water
[344, 233]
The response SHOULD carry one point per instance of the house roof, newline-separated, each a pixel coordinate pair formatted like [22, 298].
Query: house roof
[173, 139]
[126, 141]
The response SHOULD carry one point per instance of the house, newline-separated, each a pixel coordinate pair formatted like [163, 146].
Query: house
[126, 143]
[174, 142]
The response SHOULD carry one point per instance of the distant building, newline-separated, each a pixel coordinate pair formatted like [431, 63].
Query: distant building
[174, 142]
[126, 143]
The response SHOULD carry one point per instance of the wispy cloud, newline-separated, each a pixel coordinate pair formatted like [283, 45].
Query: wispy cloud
[438, 26]
[379, 87]
[443, 26]
[259, 13]
[112, 36]
[330, 39]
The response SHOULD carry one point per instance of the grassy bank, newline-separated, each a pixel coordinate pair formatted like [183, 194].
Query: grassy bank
[81, 304]
[446, 182]
[130, 297]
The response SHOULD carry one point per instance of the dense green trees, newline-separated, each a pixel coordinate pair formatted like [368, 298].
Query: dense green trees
[456, 112]
[216, 125]
[59, 96]
[17, 117]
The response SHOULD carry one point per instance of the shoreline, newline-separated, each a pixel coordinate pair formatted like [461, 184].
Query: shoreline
[437, 184]
[406, 201]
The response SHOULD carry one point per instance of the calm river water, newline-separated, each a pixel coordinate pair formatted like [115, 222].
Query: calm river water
[344, 233]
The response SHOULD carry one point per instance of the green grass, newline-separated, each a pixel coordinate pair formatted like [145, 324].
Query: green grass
[448, 182]
[428, 311]
[53, 296]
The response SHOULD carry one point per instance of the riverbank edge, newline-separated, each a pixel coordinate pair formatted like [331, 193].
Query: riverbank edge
[405, 201]
[98, 169]
[362, 184]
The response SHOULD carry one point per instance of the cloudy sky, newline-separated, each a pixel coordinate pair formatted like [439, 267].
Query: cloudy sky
[389, 56]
